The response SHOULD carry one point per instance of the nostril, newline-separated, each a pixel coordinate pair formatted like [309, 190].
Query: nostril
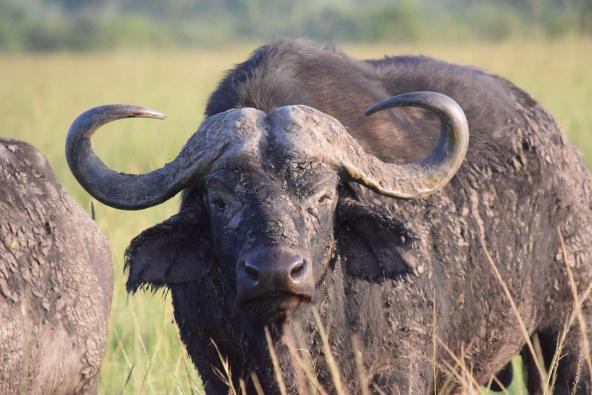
[298, 270]
[251, 271]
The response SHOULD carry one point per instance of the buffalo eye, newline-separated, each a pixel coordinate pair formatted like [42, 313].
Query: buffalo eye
[324, 199]
[219, 204]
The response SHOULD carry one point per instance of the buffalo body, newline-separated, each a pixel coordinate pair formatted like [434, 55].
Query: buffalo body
[272, 229]
[55, 281]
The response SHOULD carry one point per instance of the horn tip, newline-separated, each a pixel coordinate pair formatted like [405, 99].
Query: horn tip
[148, 113]
[371, 110]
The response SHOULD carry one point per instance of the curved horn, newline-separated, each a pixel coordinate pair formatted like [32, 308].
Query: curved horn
[427, 175]
[131, 191]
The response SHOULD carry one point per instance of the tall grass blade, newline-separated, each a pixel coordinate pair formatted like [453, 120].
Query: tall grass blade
[335, 375]
[257, 384]
[540, 369]
[127, 380]
[577, 307]
[361, 371]
[276, 364]
[225, 375]
[301, 384]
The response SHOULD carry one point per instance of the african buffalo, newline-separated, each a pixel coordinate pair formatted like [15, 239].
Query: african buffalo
[389, 224]
[55, 281]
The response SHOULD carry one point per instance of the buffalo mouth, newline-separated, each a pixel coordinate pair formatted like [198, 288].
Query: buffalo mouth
[274, 306]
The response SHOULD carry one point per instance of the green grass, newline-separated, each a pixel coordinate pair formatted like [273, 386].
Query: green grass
[40, 95]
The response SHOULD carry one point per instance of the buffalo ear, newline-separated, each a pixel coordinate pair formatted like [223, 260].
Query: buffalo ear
[375, 246]
[175, 251]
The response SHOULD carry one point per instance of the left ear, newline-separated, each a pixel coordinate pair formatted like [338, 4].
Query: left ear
[375, 246]
[177, 250]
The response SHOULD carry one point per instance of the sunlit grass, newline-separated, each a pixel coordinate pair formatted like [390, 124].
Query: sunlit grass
[40, 95]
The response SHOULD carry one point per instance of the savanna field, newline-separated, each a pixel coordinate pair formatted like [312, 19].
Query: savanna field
[40, 95]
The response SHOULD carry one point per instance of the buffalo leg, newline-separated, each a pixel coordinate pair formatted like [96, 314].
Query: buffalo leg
[504, 377]
[574, 367]
[548, 342]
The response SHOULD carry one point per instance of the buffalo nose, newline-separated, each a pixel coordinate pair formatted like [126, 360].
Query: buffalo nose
[293, 269]
[274, 270]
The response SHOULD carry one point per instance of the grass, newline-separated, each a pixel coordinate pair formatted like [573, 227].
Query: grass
[40, 95]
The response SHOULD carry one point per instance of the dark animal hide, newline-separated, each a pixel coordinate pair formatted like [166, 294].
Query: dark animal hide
[396, 274]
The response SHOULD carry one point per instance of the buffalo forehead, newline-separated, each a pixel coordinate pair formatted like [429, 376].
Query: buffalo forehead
[306, 132]
[296, 178]
[295, 129]
[240, 131]
[257, 145]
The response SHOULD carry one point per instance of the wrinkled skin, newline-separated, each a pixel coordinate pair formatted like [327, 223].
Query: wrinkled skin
[398, 275]
[55, 282]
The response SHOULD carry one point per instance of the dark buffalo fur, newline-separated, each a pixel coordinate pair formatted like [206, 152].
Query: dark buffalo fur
[403, 274]
[296, 72]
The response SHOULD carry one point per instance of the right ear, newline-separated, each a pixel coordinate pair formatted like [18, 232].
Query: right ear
[177, 250]
[375, 245]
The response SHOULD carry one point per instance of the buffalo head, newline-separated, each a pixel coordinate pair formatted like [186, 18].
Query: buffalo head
[261, 191]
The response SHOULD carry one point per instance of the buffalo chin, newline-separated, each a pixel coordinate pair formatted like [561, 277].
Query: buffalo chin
[273, 307]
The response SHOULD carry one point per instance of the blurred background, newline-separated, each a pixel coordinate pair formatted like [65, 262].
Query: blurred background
[61, 57]
[45, 25]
